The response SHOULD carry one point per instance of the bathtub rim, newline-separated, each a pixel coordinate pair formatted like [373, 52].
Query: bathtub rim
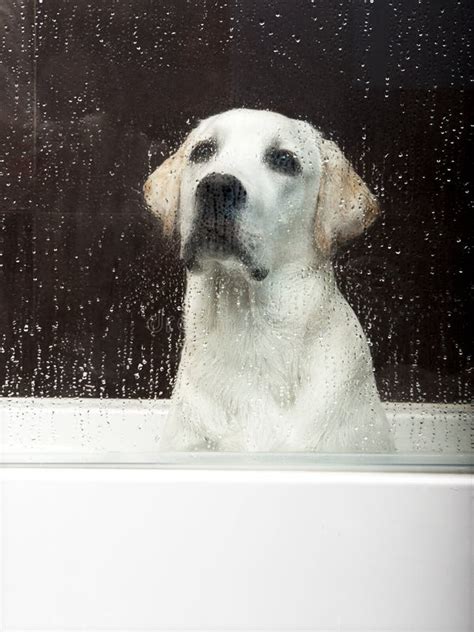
[298, 461]
[271, 461]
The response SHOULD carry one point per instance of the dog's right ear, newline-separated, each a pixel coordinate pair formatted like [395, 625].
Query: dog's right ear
[345, 206]
[162, 188]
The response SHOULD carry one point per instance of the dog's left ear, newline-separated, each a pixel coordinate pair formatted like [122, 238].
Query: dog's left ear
[162, 188]
[345, 206]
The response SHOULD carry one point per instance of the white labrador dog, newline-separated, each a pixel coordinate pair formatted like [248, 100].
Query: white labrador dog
[274, 358]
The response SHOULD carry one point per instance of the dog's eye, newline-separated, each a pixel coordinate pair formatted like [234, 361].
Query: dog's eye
[203, 151]
[283, 161]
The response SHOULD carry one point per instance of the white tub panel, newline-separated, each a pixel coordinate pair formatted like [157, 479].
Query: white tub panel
[89, 549]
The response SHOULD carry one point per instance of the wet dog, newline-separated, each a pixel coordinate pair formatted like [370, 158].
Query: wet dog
[274, 358]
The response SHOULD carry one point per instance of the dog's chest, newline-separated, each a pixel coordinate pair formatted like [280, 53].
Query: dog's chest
[249, 360]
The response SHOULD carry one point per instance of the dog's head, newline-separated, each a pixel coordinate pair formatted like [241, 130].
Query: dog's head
[253, 190]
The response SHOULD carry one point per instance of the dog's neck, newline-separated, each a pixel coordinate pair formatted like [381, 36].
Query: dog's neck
[221, 300]
[236, 327]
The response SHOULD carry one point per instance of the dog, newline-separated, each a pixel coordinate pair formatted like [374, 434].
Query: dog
[274, 358]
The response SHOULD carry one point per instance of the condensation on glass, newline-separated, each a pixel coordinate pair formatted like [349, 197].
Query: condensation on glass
[96, 95]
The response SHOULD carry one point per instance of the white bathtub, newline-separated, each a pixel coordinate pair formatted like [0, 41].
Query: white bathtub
[113, 536]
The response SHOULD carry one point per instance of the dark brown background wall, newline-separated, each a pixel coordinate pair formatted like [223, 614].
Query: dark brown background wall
[94, 95]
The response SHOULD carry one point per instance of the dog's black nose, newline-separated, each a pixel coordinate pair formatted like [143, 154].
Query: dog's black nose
[220, 195]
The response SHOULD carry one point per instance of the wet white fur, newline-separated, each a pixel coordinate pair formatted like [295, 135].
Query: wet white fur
[278, 364]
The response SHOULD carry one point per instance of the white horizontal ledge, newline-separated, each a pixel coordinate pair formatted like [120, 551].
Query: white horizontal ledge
[120, 431]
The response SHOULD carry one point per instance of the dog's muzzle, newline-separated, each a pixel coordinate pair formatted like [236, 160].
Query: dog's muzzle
[220, 200]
